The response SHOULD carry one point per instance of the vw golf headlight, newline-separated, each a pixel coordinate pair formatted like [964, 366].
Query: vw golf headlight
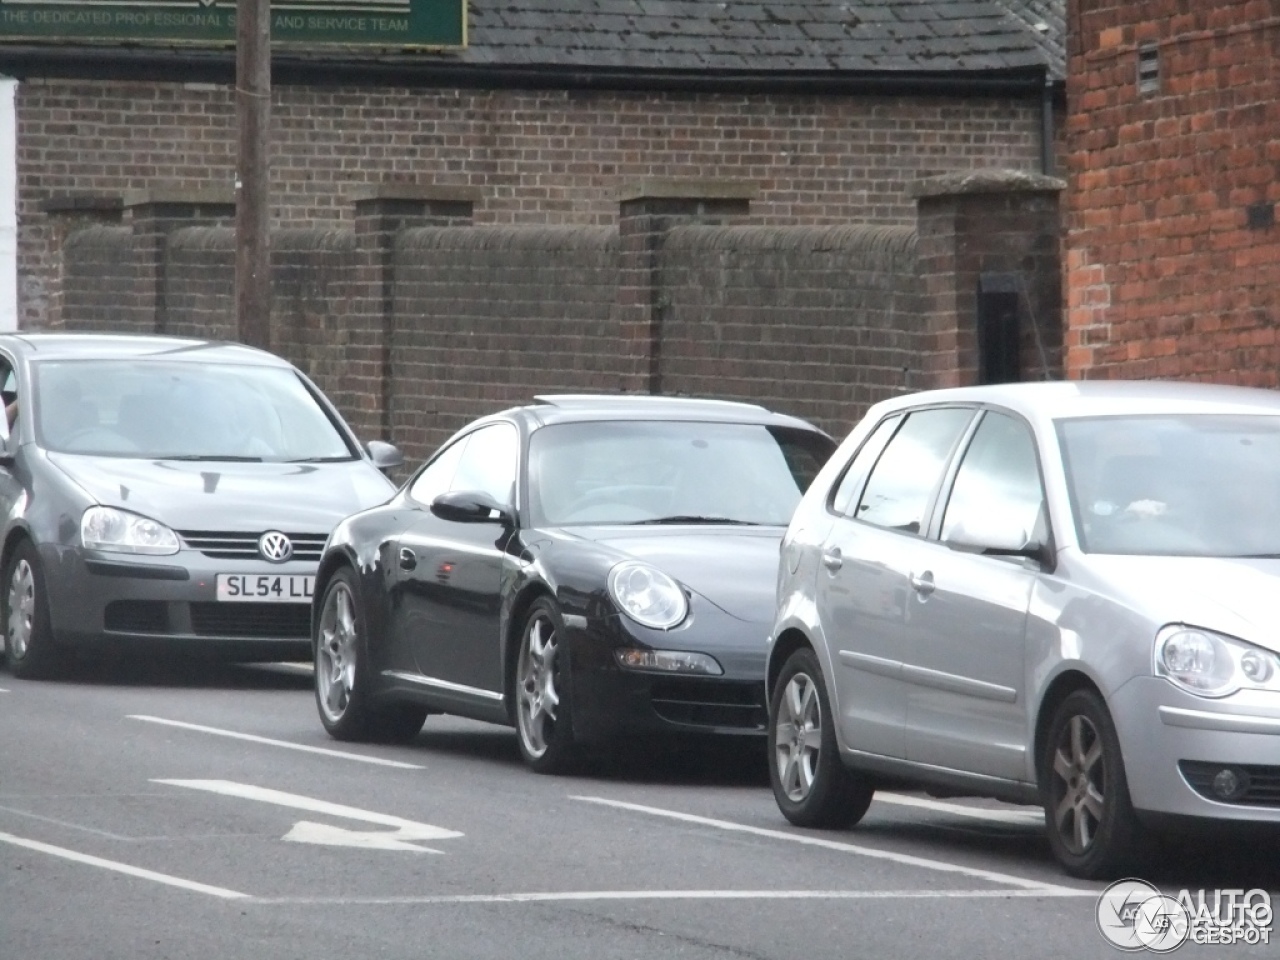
[106, 528]
[1212, 664]
[647, 595]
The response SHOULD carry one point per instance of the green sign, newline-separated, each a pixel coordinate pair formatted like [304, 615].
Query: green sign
[380, 23]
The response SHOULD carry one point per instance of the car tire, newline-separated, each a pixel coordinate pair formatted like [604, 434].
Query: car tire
[811, 784]
[342, 677]
[544, 711]
[1093, 830]
[24, 609]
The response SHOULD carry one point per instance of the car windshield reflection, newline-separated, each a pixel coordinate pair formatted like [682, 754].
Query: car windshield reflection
[673, 472]
[1187, 485]
[158, 410]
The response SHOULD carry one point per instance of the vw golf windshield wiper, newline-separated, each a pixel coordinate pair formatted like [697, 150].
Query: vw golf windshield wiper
[203, 457]
[339, 459]
[695, 518]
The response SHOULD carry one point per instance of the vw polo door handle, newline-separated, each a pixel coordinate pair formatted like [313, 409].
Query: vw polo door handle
[832, 559]
[923, 583]
[408, 559]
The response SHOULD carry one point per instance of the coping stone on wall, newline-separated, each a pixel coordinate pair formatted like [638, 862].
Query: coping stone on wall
[415, 191]
[82, 203]
[881, 238]
[985, 181]
[657, 188]
[509, 237]
[168, 195]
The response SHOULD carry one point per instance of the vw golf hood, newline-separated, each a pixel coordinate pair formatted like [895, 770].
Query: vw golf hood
[1236, 596]
[736, 568]
[218, 495]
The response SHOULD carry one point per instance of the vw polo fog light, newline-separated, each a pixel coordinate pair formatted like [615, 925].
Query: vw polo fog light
[1230, 784]
[1211, 664]
[647, 595]
[668, 661]
[106, 528]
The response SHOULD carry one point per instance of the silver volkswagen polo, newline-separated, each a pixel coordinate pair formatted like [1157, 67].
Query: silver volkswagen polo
[1065, 594]
[166, 492]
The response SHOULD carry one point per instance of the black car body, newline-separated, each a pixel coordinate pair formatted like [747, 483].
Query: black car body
[489, 586]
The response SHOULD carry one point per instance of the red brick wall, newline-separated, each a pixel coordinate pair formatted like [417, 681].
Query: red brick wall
[1173, 255]
[551, 157]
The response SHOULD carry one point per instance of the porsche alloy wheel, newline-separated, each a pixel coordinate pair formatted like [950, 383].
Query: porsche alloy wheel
[542, 697]
[342, 693]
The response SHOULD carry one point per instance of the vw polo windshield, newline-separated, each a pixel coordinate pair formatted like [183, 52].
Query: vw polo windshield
[1205, 485]
[158, 410]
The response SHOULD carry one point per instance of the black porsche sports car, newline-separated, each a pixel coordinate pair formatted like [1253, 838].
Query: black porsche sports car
[578, 568]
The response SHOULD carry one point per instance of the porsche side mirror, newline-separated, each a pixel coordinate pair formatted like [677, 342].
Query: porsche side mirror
[470, 506]
[386, 456]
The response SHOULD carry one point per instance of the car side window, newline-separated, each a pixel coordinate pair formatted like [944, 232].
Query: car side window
[9, 395]
[488, 464]
[997, 487]
[436, 476]
[856, 472]
[902, 482]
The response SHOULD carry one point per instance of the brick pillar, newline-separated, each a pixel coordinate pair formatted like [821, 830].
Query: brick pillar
[993, 234]
[381, 213]
[66, 215]
[646, 211]
[154, 215]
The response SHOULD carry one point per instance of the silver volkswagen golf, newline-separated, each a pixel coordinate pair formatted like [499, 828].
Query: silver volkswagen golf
[1065, 594]
[157, 491]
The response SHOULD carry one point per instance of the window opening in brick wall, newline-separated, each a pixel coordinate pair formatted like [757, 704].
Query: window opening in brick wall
[999, 330]
[1148, 69]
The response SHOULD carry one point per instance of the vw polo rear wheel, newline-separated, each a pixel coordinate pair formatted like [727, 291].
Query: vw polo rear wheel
[811, 784]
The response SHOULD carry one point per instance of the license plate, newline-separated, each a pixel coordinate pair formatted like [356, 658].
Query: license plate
[265, 588]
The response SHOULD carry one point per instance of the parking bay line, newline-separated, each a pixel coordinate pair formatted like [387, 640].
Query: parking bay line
[904, 859]
[124, 868]
[252, 738]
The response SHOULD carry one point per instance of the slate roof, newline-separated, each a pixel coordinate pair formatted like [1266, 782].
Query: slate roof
[769, 36]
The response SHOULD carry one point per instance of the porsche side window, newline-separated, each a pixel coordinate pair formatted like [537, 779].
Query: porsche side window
[997, 488]
[854, 474]
[436, 476]
[489, 463]
[902, 482]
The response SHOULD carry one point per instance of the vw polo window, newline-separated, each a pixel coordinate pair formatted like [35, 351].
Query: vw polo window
[854, 475]
[904, 479]
[997, 494]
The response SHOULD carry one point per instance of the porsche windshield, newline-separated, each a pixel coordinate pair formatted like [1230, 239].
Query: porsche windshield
[164, 410]
[653, 472]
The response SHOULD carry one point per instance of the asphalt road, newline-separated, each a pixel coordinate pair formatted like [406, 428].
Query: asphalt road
[196, 811]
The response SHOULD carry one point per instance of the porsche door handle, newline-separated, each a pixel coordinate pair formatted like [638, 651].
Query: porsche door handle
[832, 559]
[408, 559]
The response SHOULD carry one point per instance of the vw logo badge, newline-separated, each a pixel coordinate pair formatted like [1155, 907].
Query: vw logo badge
[275, 546]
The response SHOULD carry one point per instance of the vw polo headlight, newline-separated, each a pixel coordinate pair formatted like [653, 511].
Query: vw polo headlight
[647, 595]
[106, 528]
[1211, 664]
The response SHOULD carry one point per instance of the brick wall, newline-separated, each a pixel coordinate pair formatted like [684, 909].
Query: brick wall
[415, 330]
[1173, 253]
[819, 322]
[549, 157]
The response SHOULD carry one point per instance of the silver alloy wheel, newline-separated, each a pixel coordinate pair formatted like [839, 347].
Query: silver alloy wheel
[798, 737]
[1078, 784]
[336, 652]
[22, 606]
[536, 685]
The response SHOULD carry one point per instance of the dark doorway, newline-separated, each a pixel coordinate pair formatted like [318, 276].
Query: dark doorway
[999, 329]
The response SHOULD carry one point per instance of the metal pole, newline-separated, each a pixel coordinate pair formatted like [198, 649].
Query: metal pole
[253, 204]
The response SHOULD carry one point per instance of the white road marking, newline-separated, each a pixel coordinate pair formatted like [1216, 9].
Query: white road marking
[581, 895]
[1023, 818]
[307, 832]
[324, 751]
[905, 859]
[3, 690]
[122, 868]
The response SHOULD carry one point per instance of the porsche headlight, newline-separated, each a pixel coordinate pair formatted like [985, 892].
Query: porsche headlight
[106, 528]
[647, 595]
[1212, 664]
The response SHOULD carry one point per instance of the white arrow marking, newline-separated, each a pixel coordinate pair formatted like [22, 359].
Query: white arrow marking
[307, 832]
